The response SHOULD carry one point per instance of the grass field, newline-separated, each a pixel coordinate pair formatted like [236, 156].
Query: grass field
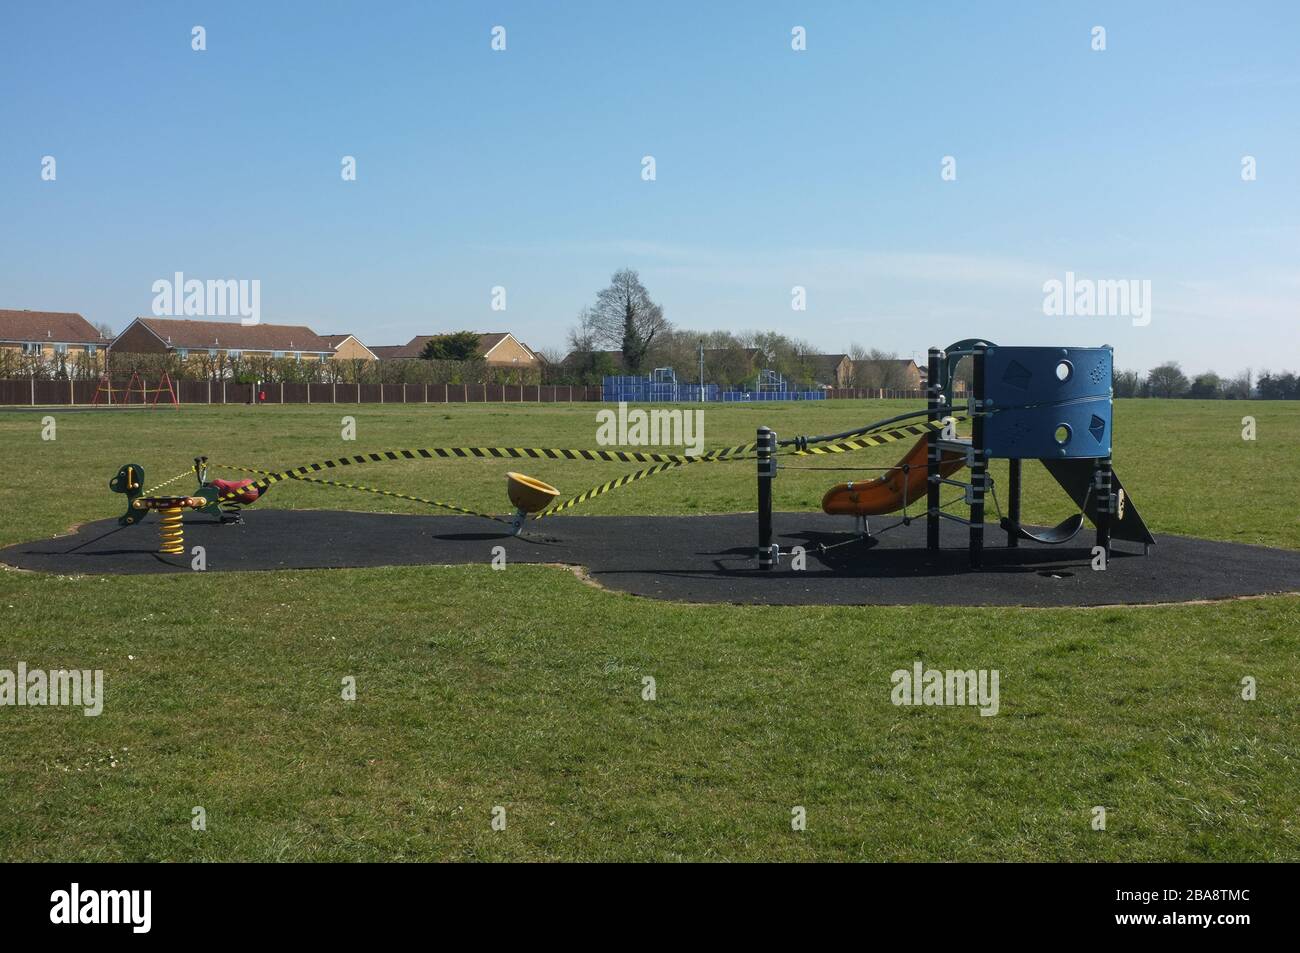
[523, 688]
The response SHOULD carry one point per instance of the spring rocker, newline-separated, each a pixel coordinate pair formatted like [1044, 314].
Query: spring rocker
[222, 499]
[1051, 404]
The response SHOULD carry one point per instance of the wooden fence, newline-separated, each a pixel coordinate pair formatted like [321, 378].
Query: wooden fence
[42, 393]
[35, 393]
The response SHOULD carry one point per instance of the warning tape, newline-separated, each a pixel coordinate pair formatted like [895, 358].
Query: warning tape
[845, 446]
[877, 439]
[624, 480]
[663, 462]
[486, 453]
[152, 490]
[400, 496]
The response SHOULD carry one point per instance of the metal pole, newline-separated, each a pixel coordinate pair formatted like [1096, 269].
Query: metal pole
[1102, 486]
[766, 448]
[934, 404]
[979, 463]
[1013, 503]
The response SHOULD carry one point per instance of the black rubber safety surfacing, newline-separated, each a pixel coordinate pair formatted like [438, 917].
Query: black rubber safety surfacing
[696, 558]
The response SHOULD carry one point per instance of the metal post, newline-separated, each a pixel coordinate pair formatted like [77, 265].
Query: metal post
[1102, 487]
[766, 448]
[934, 403]
[1013, 503]
[979, 463]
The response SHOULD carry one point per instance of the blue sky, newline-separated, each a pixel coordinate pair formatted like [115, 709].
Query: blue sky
[775, 168]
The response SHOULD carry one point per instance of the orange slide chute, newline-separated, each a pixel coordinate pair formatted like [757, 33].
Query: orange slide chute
[904, 483]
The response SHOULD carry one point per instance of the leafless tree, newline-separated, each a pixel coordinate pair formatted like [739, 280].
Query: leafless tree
[626, 319]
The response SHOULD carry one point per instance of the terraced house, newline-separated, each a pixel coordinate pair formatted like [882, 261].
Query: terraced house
[51, 337]
[222, 341]
[498, 349]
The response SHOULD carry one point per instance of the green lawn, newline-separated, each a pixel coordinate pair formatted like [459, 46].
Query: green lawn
[523, 688]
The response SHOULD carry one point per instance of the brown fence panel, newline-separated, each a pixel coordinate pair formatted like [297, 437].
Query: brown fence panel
[493, 393]
[188, 392]
[454, 393]
[475, 393]
[320, 393]
[293, 393]
[238, 393]
[50, 392]
[513, 393]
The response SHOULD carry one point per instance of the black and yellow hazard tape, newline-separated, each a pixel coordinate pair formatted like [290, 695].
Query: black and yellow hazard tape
[845, 446]
[624, 480]
[443, 504]
[866, 441]
[662, 463]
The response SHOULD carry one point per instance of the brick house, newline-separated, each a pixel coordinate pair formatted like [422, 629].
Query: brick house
[498, 349]
[224, 340]
[348, 347]
[831, 370]
[50, 335]
[890, 373]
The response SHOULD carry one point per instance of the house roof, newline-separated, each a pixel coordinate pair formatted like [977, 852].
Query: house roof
[334, 340]
[825, 367]
[179, 332]
[415, 346]
[54, 327]
[827, 362]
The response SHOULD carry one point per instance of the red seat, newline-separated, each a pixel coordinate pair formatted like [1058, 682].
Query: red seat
[241, 491]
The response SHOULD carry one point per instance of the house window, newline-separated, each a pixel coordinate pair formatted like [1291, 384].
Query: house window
[277, 355]
[92, 350]
[60, 349]
[182, 352]
[324, 357]
[212, 352]
[31, 349]
[233, 354]
[297, 356]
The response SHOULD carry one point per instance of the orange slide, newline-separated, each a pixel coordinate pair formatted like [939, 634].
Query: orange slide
[895, 487]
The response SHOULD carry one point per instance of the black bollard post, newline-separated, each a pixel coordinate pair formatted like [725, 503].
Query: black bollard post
[1013, 503]
[979, 462]
[1102, 486]
[934, 403]
[766, 450]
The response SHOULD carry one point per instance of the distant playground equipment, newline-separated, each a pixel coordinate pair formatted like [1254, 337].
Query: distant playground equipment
[661, 386]
[1052, 404]
[134, 387]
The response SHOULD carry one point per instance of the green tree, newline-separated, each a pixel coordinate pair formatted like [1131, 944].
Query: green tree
[1167, 380]
[460, 346]
[1206, 386]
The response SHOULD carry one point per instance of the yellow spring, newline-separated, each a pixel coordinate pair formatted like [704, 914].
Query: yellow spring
[172, 530]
